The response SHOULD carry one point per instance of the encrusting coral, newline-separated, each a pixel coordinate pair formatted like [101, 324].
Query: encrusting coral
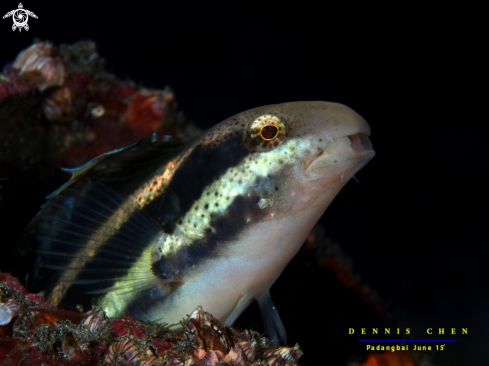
[33, 331]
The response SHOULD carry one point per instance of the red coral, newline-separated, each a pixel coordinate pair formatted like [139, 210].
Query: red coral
[147, 111]
[159, 346]
[99, 112]
[127, 326]
[65, 337]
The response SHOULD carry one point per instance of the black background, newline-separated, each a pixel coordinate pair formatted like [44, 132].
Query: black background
[416, 225]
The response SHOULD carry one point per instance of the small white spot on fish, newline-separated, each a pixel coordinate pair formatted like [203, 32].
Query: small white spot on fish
[272, 214]
[247, 220]
[264, 202]
[342, 177]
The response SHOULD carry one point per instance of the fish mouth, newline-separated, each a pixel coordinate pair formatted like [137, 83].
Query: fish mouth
[360, 142]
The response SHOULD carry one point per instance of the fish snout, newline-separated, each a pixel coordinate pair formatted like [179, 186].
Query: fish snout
[360, 142]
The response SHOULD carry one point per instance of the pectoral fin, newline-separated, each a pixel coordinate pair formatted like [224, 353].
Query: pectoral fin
[273, 324]
[88, 236]
[240, 307]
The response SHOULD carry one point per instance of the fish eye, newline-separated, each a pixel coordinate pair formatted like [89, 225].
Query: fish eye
[267, 132]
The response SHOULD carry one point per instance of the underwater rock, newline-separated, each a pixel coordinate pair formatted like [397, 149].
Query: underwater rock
[35, 331]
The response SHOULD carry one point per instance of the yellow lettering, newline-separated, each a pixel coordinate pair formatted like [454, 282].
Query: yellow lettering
[387, 331]
[375, 330]
[363, 331]
[464, 330]
[441, 330]
[408, 331]
[453, 331]
[351, 330]
[429, 331]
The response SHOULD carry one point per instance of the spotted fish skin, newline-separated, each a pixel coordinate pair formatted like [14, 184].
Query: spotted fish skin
[164, 226]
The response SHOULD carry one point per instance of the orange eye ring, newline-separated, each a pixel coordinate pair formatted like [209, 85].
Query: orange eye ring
[270, 133]
[266, 132]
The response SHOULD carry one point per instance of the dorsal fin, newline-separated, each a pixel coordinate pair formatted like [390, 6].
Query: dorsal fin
[131, 160]
[108, 167]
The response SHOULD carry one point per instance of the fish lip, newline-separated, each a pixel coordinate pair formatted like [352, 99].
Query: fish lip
[360, 142]
[358, 145]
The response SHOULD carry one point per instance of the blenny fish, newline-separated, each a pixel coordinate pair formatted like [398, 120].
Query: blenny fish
[165, 225]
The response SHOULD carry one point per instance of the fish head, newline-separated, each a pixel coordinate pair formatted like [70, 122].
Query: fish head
[294, 155]
[266, 176]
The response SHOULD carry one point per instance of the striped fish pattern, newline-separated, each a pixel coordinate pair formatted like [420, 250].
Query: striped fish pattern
[162, 226]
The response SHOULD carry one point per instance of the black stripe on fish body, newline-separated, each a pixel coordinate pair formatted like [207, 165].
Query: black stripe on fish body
[223, 230]
[142, 304]
[204, 165]
[167, 210]
[173, 268]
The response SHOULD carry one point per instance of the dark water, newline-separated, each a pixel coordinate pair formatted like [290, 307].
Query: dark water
[415, 225]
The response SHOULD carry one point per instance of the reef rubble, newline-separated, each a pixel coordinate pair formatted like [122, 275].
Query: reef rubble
[32, 331]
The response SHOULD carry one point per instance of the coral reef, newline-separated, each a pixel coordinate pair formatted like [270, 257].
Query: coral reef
[33, 331]
[75, 109]
[59, 108]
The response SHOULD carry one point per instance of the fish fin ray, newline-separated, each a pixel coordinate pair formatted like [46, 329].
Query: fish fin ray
[127, 289]
[240, 307]
[271, 318]
[141, 157]
[88, 237]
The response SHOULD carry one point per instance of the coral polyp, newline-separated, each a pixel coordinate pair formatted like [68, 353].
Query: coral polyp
[37, 65]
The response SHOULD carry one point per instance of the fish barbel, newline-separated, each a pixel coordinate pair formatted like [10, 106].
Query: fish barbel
[165, 225]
